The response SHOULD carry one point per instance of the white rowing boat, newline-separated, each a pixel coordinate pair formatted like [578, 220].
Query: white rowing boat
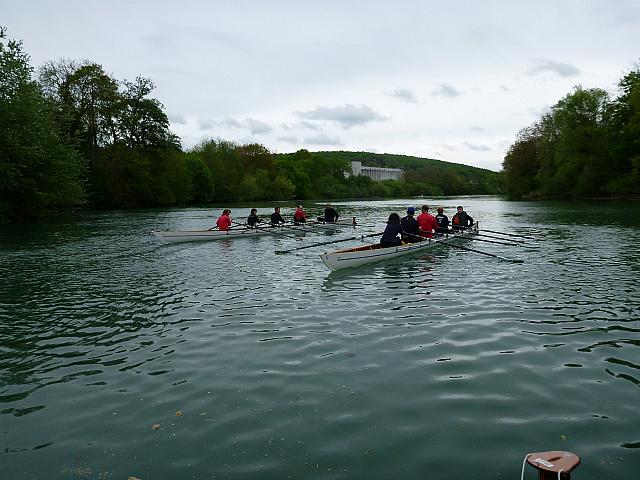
[354, 257]
[246, 232]
[200, 235]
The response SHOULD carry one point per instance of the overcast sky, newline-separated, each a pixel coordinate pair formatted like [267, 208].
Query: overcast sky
[453, 80]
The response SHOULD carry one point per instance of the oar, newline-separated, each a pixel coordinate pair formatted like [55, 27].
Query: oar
[500, 238]
[464, 235]
[266, 229]
[300, 227]
[493, 241]
[483, 253]
[328, 243]
[508, 234]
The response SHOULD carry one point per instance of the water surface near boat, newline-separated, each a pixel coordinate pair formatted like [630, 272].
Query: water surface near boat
[121, 357]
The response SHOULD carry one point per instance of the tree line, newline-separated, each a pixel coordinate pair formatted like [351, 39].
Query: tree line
[586, 145]
[73, 136]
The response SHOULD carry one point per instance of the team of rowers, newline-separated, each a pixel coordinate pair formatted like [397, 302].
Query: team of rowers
[299, 217]
[397, 231]
[411, 230]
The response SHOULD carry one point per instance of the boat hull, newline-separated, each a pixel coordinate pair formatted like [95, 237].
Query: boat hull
[355, 257]
[206, 235]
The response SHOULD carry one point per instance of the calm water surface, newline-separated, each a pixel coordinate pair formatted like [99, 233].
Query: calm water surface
[122, 357]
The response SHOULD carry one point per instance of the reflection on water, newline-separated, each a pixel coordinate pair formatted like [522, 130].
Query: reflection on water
[121, 357]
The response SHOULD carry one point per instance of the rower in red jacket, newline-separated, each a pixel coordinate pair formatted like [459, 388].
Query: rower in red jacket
[299, 216]
[224, 221]
[426, 223]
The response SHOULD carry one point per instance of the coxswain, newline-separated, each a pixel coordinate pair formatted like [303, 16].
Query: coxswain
[461, 220]
[224, 221]
[426, 223]
[392, 230]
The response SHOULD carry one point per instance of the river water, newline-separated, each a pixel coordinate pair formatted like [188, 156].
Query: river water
[121, 357]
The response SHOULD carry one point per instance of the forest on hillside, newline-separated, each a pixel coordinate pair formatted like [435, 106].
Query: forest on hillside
[426, 176]
[74, 136]
[586, 145]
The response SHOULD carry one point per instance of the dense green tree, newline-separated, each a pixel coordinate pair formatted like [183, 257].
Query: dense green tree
[296, 167]
[522, 162]
[625, 129]
[39, 171]
[577, 149]
[142, 120]
[201, 180]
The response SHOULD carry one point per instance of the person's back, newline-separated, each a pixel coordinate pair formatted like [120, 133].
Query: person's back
[299, 216]
[276, 218]
[253, 219]
[426, 223]
[392, 230]
[443, 221]
[410, 227]
[224, 221]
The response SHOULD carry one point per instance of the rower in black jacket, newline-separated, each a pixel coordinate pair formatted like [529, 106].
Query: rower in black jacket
[461, 220]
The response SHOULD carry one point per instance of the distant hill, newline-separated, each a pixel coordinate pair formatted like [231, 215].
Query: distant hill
[446, 178]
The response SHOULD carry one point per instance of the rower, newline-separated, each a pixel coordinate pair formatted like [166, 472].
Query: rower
[443, 221]
[461, 220]
[426, 223]
[299, 217]
[224, 221]
[330, 214]
[410, 227]
[253, 219]
[276, 218]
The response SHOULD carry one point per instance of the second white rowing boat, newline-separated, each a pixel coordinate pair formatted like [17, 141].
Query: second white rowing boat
[354, 257]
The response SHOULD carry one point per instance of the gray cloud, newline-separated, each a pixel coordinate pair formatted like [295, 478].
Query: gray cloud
[230, 123]
[449, 147]
[177, 119]
[542, 65]
[475, 128]
[310, 125]
[405, 95]
[346, 116]
[206, 124]
[446, 90]
[256, 127]
[505, 88]
[477, 148]
[288, 139]
[322, 139]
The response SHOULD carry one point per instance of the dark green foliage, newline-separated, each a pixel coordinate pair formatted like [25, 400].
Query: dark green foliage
[422, 176]
[201, 186]
[586, 146]
[134, 159]
[39, 171]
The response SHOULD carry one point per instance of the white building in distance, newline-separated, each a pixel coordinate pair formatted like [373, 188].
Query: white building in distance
[377, 174]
